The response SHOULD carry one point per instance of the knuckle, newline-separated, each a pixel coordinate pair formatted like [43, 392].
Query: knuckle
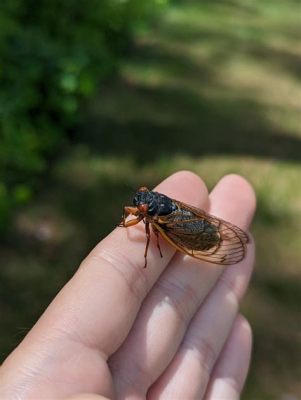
[182, 297]
[130, 272]
[229, 282]
[204, 350]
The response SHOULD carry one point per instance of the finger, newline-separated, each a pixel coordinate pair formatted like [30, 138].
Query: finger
[231, 370]
[188, 373]
[231, 192]
[93, 313]
[172, 303]
[236, 276]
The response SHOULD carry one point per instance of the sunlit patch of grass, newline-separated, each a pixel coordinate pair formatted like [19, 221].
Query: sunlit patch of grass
[83, 170]
[277, 92]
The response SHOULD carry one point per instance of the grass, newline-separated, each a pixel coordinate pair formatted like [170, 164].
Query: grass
[214, 88]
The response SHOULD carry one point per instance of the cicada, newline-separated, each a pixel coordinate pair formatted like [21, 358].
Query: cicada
[188, 229]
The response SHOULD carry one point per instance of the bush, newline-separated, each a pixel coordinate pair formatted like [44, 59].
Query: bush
[53, 55]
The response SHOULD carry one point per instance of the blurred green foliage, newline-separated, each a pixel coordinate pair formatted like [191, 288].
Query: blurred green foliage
[53, 56]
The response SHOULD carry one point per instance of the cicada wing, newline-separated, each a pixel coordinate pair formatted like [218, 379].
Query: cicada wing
[229, 249]
[226, 247]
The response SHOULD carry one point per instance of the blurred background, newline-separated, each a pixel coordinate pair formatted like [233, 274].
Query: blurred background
[100, 97]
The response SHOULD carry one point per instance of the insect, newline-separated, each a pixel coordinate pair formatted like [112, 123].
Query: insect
[188, 229]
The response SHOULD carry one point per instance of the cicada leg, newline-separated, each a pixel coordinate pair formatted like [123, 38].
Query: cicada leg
[127, 211]
[134, 221]
[156, 232]
[147, 233]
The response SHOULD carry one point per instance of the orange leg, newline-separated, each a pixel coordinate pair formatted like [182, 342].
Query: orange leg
[156, 232]
[147, 232]
[127, 211]
[158, 244]
[131, 222]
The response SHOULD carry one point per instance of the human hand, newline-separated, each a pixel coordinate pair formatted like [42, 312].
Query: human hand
[170, 331]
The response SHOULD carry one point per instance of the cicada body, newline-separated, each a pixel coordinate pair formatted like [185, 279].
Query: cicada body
[188, 229]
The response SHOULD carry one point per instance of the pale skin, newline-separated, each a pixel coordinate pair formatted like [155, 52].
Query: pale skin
[120, 331]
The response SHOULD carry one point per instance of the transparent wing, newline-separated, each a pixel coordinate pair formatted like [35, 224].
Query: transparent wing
[203, 236]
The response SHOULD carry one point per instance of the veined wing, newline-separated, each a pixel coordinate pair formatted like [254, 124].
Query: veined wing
[203, 236]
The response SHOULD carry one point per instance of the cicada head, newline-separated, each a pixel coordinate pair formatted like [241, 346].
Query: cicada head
[143, 200]
[153, 203]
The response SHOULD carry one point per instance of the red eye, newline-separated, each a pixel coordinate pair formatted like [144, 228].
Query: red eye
[143, 189]
[143, 208]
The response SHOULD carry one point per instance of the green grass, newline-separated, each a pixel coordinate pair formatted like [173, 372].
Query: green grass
[215, 88]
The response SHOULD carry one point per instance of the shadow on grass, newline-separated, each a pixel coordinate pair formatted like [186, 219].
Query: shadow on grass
[286, 292]
[272, 306]
[198, 127]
